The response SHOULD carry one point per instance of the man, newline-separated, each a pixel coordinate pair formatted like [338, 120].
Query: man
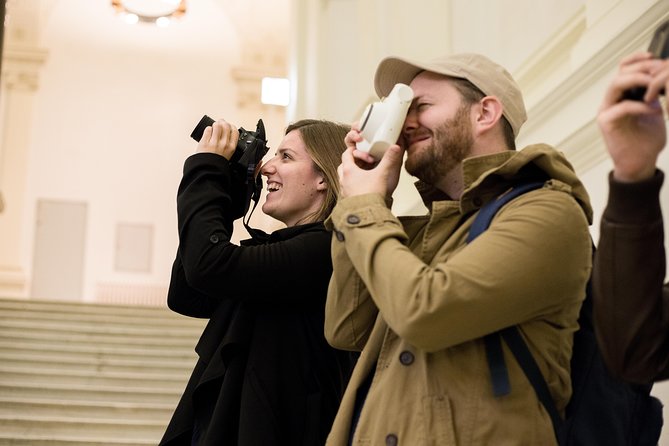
[630, 302]
[417, 301]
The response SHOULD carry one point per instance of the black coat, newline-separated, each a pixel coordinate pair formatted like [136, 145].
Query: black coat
[265, 373]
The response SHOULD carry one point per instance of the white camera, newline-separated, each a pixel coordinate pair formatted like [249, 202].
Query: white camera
[381, 122]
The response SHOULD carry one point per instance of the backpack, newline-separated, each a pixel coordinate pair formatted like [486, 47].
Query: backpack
[602, 410]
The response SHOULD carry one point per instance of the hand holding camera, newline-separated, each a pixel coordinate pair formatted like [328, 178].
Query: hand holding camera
[381, 122]
[659, 48]
[251, 146]
[248, 154]
[219, 138]
[634, 130]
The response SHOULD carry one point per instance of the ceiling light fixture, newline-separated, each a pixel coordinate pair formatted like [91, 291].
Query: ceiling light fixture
[159, 12]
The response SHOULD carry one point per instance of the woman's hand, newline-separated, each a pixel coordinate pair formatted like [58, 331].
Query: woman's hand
[220, 138]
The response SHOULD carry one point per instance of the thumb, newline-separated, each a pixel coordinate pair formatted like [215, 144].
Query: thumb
[392, 156]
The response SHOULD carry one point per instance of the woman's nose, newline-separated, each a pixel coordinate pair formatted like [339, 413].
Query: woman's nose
[268, 167]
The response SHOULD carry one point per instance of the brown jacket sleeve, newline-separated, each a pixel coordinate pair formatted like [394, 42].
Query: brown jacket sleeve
[629, 298]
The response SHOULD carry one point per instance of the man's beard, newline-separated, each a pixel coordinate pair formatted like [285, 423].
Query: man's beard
[451, 144]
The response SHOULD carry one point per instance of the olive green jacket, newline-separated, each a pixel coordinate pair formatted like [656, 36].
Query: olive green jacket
[416, 300]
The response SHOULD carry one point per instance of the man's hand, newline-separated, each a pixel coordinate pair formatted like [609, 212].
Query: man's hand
[220, 138]
[360, 173]
[634, 131]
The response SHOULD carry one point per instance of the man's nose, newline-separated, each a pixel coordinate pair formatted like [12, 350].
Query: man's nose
[411, 121]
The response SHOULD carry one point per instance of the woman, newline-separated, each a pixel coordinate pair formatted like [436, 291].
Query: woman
[265, 374]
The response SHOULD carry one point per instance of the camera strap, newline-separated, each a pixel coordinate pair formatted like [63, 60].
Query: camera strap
[254, 186]
[256, 234]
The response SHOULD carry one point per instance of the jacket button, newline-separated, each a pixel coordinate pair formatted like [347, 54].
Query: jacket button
[214, 239]
[406, 358]
[353, 219]
[339, 235]
[391, 440]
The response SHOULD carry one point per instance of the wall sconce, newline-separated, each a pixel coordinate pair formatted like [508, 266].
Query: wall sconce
[159, 12]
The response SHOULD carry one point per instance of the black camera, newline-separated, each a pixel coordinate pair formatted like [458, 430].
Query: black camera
[659, 47]
[251, 148]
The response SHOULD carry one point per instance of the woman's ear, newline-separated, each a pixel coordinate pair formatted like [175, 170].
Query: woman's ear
[322, 184]
[489, 113]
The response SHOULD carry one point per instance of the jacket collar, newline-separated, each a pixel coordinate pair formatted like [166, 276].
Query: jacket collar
[260, 237]
[487, 176]
[475, 170]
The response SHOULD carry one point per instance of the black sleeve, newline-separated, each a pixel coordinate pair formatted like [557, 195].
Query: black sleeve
[212, 268]
[184, 299]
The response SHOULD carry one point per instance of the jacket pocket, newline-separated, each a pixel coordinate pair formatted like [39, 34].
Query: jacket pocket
[438, 419]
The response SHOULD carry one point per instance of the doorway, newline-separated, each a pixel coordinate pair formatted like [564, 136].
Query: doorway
[58, 261]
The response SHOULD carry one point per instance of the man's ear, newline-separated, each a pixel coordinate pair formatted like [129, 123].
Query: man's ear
[489, 112]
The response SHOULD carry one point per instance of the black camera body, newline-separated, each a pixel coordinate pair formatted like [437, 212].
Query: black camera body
[659, 48]
[249, 152]
[251, 147]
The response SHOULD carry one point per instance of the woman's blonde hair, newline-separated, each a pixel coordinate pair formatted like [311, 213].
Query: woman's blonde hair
[324, 141]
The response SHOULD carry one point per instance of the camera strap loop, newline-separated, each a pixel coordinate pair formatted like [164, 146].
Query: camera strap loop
[253, 194]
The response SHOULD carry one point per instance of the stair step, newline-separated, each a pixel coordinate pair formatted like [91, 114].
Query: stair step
[50, 440]
[85, 409]
[163, 316]
[77, 362]
[10, 373]
[73, 307]
[138, 325]
[83, 428]
[95, 351]
[80, 392]
[12, 334]
[177, 324]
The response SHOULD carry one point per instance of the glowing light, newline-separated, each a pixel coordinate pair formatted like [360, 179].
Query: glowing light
[159, 12]
[131, 19]
[163, 22]
[275, 91]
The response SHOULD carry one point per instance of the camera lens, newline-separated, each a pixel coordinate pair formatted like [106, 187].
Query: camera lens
[205, 122]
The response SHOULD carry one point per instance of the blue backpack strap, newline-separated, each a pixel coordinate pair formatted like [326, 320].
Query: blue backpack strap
[488, 211]
[499, 375]
[522, 353]
[498, 371]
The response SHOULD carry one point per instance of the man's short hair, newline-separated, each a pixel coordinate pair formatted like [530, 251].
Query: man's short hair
[471, 94]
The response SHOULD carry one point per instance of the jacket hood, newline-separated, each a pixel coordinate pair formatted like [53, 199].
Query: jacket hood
[487, 176]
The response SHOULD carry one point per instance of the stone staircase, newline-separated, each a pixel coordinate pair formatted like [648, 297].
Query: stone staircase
[74, 374]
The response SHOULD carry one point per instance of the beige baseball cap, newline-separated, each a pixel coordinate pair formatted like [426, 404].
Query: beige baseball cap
[491, 78]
